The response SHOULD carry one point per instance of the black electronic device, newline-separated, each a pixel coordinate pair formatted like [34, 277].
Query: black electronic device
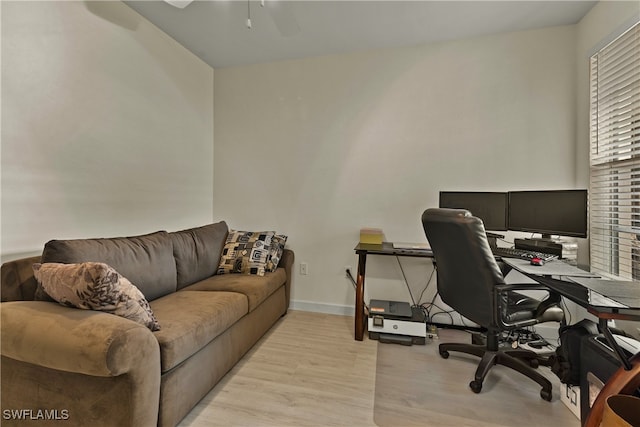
[551, 212]
[522, 253]
[490, 207]
[539, 245]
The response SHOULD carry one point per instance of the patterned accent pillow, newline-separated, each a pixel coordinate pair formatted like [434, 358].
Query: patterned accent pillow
[246, 252]
[275, 252]
[95, 286]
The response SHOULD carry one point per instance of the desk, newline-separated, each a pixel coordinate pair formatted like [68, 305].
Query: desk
[386, 248]
[620, 301]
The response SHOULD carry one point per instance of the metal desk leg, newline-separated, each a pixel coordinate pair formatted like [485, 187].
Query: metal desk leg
[604, 328]
[359, 315]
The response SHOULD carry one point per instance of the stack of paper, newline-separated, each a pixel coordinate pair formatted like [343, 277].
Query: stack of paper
[408, 245]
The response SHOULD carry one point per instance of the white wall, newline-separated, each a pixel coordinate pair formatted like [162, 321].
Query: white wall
[107, 126]
[319, 148]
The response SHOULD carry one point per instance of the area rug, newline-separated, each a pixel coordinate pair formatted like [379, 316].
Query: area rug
[417, 387]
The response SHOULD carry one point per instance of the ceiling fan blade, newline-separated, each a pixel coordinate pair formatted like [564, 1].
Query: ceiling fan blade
[281, 13]
[180, 4]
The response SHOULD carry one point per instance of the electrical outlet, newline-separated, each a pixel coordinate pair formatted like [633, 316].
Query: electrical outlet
[304, 268]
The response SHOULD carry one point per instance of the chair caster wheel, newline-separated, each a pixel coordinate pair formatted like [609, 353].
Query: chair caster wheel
[545, 394]
[475, 386]
[444, 354]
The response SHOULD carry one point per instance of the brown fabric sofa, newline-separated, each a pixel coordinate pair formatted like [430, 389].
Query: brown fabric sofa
[77, 367]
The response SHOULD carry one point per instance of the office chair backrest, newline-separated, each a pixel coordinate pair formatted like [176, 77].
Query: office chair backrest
[466, 268]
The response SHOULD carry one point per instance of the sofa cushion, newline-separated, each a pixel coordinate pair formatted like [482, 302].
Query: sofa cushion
[197, 251]
[246, 252]
[147, 261]
[255, 288]
[190, 320]
[95, 286]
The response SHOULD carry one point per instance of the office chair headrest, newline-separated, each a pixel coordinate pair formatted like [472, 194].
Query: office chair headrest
[447, 213]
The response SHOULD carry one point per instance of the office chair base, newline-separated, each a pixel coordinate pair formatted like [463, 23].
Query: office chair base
[490, 358]
[532, 358]
[475, 349]
[475, 386]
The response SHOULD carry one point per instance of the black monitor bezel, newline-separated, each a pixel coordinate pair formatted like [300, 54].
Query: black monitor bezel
[502, 227]
[583, 233]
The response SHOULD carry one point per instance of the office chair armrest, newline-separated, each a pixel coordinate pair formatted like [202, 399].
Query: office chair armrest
[500, 300]
[521, 287]
[554, 297]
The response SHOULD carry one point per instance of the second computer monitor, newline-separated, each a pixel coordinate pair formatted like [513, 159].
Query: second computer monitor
[554, 212]
[490, 207]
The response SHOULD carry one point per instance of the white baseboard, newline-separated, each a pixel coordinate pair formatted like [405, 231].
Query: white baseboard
[343, 310]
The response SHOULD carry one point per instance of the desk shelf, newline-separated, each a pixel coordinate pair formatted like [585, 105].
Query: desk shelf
[385, 249]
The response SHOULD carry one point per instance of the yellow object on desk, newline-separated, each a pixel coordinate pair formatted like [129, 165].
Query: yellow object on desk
[371, 236]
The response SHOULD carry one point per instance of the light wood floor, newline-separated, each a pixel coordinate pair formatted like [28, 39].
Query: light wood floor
[309, 371]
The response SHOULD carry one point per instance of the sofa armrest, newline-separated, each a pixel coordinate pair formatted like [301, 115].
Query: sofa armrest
[286, 262]
[18, 283]
[103, 370]
[82, 341]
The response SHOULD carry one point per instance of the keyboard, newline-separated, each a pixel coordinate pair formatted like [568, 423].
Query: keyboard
[522, 254]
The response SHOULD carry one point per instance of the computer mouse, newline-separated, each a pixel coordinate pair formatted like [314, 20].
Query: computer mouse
[537, 261]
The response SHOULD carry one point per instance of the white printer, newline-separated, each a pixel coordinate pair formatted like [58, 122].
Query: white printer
[397, 322]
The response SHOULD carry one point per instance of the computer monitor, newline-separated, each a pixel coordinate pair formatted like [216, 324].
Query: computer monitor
[553, 212]
[490, 207]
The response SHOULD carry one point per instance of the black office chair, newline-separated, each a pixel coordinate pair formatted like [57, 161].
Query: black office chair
[471, 282]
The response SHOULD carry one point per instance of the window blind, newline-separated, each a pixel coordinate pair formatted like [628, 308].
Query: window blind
[614, 201]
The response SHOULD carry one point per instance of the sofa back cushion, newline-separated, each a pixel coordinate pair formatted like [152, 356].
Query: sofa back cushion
[147, 260]
[197, 251]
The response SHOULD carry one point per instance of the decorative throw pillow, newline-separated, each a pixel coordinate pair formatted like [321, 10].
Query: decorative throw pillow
[95, 286]
[246, 252]
[275, 252]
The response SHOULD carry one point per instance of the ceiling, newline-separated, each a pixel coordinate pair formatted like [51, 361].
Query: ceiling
[216, 31]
